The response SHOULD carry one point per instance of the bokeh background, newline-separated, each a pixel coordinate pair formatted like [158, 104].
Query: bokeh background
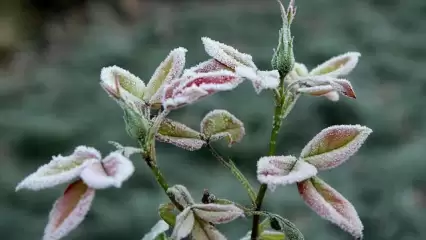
[51, 53]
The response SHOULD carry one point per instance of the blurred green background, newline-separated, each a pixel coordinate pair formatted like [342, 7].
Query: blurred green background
[51, 53]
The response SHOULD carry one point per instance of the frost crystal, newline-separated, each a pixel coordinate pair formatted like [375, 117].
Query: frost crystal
[331, 205]
[334, 145]
[337, 66]
[69, 210]
[217, 213]
[184, 224]
[219, 124]
[189, 89]
[283, 170]
[170, 69]
[61, 169]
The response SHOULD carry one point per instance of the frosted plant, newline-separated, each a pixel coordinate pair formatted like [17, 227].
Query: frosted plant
[172, 86]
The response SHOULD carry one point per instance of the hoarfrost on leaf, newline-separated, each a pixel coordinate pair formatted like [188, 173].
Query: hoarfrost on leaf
[337, 66]
[260, 79]
[334, 145]
[219, 124]
[69, 210]
[206, 231]
[180, 135]
[330, 205]
[159, 228]
[217, 213]
[61, 169]
[181, 195]
[210, 65]
[283, 170]
[184, 224]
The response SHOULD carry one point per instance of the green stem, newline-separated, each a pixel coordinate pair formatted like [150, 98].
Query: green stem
[236, 172]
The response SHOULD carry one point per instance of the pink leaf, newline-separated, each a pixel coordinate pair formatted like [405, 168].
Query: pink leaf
[217, 213]
[330, 205]
[210, 65]
[337, 66]
[283, 170]
[343, 86]
[334, 145]
[69, 210]
[316, 90]
[61, 169]
[189, 89]
[227, 55]
[112, 171]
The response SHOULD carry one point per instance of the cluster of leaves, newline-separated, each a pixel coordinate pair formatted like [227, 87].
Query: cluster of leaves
[172, 87]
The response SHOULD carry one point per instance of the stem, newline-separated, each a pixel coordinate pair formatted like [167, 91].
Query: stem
[236, 172]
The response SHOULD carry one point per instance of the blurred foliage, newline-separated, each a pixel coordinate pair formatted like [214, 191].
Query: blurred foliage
[52, 103]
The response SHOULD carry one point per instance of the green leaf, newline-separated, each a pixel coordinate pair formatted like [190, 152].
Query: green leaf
[272, 235]
[288, 228]
[166, 213]
[219, 124]
[180, 135]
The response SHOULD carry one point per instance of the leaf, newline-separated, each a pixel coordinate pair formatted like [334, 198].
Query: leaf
[210, 65]
[126, 151]
[219, 124]
[283, 170]
[332, 96]
[217, 213]
[331, 205]
[112, 171]
[300, 69]
[170, 69]
[166, 213]
[61, 169]
[334, 145]
[120, 83]
[69, 210]
[316, 90]
[180, 135]
[159, 228]
[272, 235]
[227, 55]
[337, 66]
[190, 89]
[184, 224]
[260, 79]
[181, 195]
[290, 230]
[344, 87]
[205, 231]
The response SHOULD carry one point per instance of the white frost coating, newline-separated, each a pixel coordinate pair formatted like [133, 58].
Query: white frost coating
[63, 220]
[109, 81]
[332, 96]
[176, 59]
[334, 145]
[283, 170]
[190, 89]
[227, 55]
[112, 171]
[260, 79]
[61, 169]
[316, 90]
[159, 228]
[210, 128]
[126, 151]
[190, 144]
[181, 195]
[206, 232]
[331, 205]
[340, 65]
[217, 213]
[184, 224]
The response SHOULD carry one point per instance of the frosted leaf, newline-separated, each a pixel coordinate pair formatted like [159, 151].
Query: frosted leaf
[334, 145]
[121, 84]
[219, 124]
[181, 195]
[260, 79]
[331, 205]
[112, 171]
[126, 151]
[272, 235]
[210, 65]
[217, 213]
[344, 87]
[61, 169]
[316, 90]
[184, 224]
[283, 170]
[171, 68]
[69, 210]
[227, 55]
[166, 213]
[300, 69]
[332, 96]
[206, 232]
[180, 135]
[337, 66]
[159, 228]
[189, 89]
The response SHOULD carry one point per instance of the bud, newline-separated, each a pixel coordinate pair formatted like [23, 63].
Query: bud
[283, 58]
[137, 125]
